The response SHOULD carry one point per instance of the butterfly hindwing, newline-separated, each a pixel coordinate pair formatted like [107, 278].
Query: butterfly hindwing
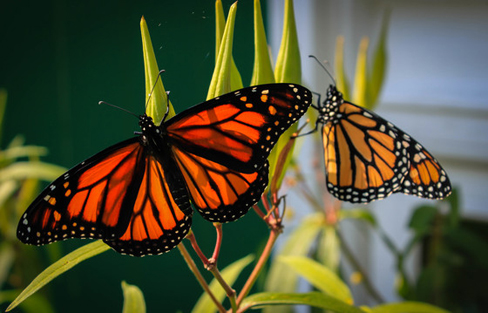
[426, 178]
[368, 158]
[219, 193]
[240, 128]
[161, 215]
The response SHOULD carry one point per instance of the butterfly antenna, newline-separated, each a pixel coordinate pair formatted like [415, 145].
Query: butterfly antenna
[154, 87]
[323, 66]
[117, 107]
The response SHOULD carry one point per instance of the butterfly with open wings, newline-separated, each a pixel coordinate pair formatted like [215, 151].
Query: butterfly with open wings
[136, 194]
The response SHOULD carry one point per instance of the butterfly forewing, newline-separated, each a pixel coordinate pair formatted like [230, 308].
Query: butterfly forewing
[92, 200]
[239, 129]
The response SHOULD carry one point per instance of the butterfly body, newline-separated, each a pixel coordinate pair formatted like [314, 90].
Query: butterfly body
[368, 158]
[137, 194]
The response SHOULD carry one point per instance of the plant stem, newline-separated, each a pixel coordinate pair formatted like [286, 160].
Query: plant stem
[366, 281]
[231, 293]
[198, 251]
[218, 242]
[258, 211]
[194, 269]
[273, 235]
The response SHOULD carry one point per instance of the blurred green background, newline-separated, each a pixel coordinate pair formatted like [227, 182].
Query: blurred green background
[57, 60]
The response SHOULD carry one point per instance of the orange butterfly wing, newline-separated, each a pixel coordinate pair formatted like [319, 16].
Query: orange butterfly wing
[240, 128]
[222, 145]
[219, 193]
[368, 158]
[108, 196]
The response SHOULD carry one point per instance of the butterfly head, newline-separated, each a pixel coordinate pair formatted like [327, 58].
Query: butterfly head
[329, 108]
[149, 129]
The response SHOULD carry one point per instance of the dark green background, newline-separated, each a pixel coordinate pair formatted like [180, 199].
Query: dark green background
[57, 60]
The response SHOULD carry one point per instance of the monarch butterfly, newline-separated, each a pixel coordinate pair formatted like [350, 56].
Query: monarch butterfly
[136, 194]
[368, 158]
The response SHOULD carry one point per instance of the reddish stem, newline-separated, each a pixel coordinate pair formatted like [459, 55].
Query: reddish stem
[206, 262]
[218, 242]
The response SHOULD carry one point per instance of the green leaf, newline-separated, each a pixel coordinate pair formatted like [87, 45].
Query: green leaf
[235, 76]
[380, 60]
[13, 153]
[262, 71]
[360, 96]
[342, 82]
[422, 219]
[230, 274]
[299, 242]
[359, 214]
[133, 299]
[7, 190]
[221, 82]
[454, 213]
[328, 248]
[315, 299]
[7, 257]
[58, 268]
[319, 276]
[35, 304]
[156, 97]
[288, 65]
[24, 170]
[407, 307]
[288, 70]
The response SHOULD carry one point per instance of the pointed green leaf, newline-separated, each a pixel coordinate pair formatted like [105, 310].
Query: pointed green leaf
[288, 65]
[299, 242]
[7, 258]
[235, 76]
[219, 26]
[328, 248]
[319, 276]
[422, 219]
[262, 72]
[7, 190]
[156, 97]
[221, 82]
[359, 96]
[359, 214]
[342, 82]
[24, 170]
[315, 299]
[454, 213]
[407, 307]
[230, 274]
[133, 299]
[58, 268]
[380, 60]
[35, 304]
[288, 70]
[13, 153]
